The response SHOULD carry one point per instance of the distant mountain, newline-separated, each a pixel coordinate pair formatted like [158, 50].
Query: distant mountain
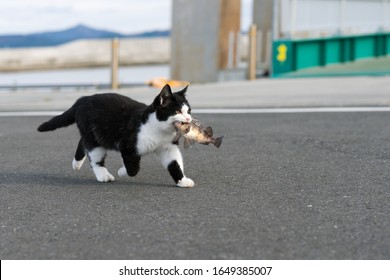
[46, 39]
[148, 34]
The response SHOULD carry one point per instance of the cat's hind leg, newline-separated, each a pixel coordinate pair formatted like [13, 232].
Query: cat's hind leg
[172, 160]
[79, 156]
[131, 163]
[97, 156]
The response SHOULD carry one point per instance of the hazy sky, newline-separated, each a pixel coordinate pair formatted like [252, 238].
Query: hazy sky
[127, 16]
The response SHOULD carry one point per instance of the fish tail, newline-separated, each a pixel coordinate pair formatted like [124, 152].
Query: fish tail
[218, 141]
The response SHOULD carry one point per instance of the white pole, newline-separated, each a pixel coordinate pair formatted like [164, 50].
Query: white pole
[230, 49]
[385, 8]
[260, 46]
[341, 17]
[238, 49]
[268, 56]
[293, 17]
[276, 24]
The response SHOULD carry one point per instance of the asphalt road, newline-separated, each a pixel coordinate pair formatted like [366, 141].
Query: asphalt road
[282, 186]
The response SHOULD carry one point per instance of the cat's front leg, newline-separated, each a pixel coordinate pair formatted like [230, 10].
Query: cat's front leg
[172, 160]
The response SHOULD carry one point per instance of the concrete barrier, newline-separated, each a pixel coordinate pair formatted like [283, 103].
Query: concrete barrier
[91, 53]
[86, 53]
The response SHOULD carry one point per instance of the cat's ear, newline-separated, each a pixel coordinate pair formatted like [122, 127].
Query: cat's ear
[165, 95]
[182, 93]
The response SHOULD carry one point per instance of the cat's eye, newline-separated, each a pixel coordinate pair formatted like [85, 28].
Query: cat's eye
[178, 112]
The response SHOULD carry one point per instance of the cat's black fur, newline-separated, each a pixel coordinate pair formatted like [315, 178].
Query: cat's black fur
[113, 122]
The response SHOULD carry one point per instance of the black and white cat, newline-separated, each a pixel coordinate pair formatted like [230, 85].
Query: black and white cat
[114, 122]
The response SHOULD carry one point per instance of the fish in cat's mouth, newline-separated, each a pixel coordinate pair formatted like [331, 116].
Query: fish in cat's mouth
[195, 131]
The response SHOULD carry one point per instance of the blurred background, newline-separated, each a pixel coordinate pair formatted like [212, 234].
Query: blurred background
[124, 43]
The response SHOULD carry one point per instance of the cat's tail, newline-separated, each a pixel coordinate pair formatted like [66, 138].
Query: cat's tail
[65, 119]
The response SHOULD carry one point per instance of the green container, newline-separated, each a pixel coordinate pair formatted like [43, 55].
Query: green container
[293, 55]
[364, 47]
[308, 54]
[332, 52]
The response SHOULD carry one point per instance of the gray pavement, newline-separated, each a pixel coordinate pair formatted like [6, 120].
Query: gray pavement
[263, 93]
[282, 186]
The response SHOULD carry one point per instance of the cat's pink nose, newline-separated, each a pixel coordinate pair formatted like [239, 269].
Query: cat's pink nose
[188, 119]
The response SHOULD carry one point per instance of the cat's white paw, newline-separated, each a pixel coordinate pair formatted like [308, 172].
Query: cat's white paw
[185, 183]
[122, 172]
[76, 164]
[102, 174]
[105, 178]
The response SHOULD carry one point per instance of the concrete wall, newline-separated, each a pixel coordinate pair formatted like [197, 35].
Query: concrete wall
[194, 40]
[199, 35]
[93, 53]
[323, 18]
[86, 53]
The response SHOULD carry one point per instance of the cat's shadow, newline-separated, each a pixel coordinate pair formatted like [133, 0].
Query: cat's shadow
[61, 180]
[130, 183]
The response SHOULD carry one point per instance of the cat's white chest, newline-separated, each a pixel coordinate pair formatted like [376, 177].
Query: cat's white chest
[154, 135]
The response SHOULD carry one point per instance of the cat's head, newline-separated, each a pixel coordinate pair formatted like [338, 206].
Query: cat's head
[172, 106]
